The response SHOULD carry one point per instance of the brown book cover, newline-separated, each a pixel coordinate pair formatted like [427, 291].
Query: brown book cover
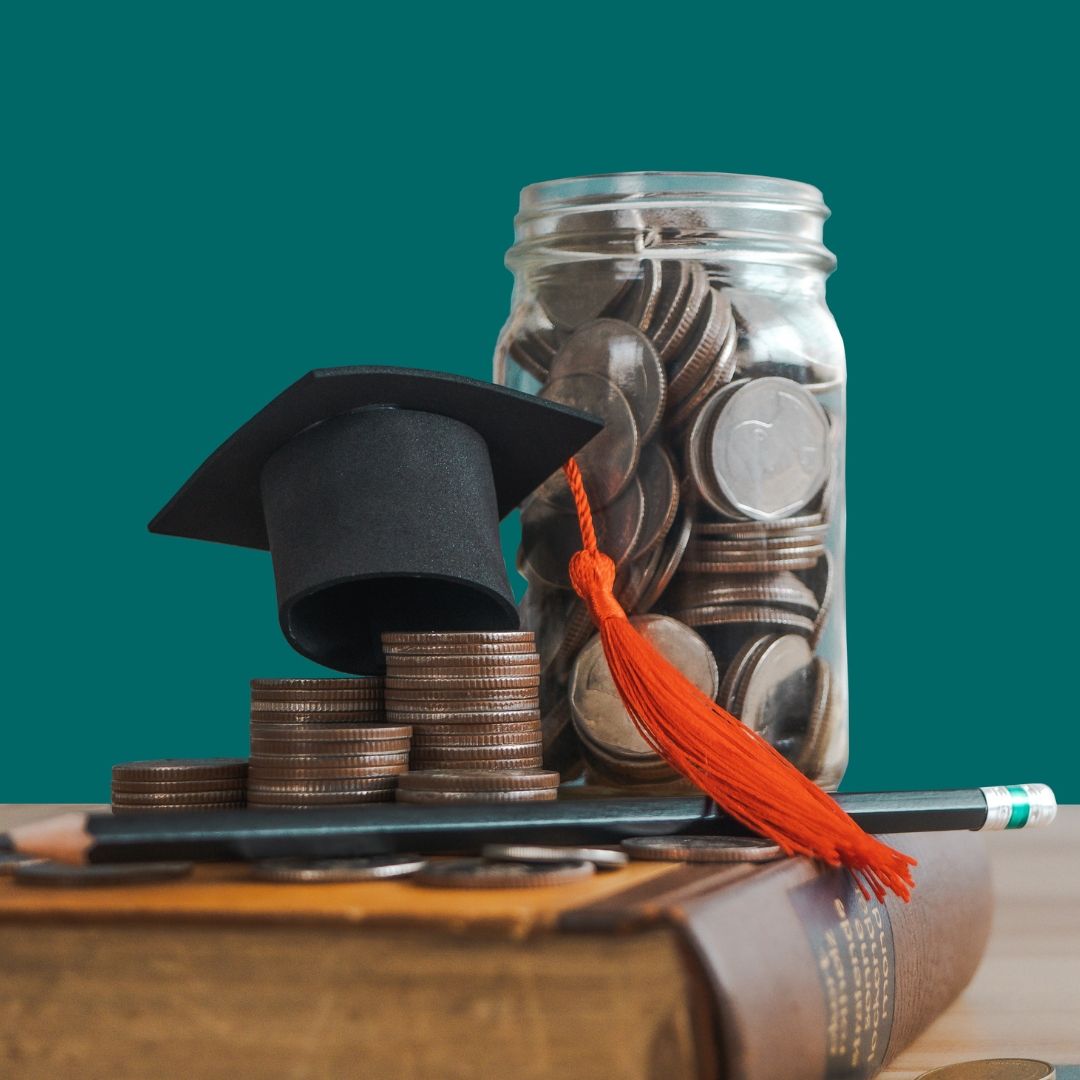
[772, 972]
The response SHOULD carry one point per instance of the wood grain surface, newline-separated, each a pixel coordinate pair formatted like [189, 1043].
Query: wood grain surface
[1025, 999]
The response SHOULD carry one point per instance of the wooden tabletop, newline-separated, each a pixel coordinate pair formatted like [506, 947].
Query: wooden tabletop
[1025, 999]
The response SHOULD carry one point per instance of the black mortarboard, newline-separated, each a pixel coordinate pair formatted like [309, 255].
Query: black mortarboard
[378, 492]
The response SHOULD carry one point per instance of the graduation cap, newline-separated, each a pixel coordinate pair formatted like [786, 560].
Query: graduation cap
[378, 492]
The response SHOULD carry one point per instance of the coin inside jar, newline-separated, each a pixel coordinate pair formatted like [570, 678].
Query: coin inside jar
[597, 709]
[773, 698]
[360, 868]
[601, 858]
[624, 357]
[482, 874]
[719, 849]
[768, 450]
[572, 293]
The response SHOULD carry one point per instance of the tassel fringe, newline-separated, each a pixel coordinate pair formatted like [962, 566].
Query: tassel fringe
[734, 766]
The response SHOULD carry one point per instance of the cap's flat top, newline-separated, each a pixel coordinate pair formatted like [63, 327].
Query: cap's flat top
[528, 439]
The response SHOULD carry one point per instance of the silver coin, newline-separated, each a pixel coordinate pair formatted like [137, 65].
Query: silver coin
[694, 364]
[673, 325]
[481, 874]
[671, 555]
[782, 590]
[739, 665]
[660, 485]
[624, 357]
[810, 758]
[822, 583]
[634, 579]
[773, 697]
[739, 614]
[639, 306]
[806, 524]
[769, 449]
[702, 849]
[599, 714]
[804, 559]
[360, 868]
[608, 460]
[572, 293]
[551, 536]
[716, 375]
[601, 858]
[62, 876]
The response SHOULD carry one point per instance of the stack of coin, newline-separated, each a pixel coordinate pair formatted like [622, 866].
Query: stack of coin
[323, 742]
[470, 698]
[179, 784]
[712, 496]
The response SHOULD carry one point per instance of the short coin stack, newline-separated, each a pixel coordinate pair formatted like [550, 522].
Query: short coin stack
[323, 742]
[179, 784]
[472, 700]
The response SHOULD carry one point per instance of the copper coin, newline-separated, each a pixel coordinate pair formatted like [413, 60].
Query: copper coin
[448, 797]
[718, 849]
[510, 651]
[809, 757]
[337, 786]
[822, 580]
[293, 801]
[364, 682]
[740, 664]
[524, 697]
[481, 874]
[783, 589]
[691, 367]
[521, 663]
[634, 578]
[375, 734]
[469, 780]
[533, 352]
[152, 798]
[772, 564]
[181, 769]
[62, 876]
[264, 774]
[326, 761]
[329, 707]
[993, 1069]
[169, 808]
[774, 696]
[624, 357]
[492, 738]
[421, 718]
[608, 460]
[575, 292]
[463, 638]
[487, 764]
[297, 723]
[806, 524]
[601, 858]
[322, 871]
[525, 727]
[296, 748]
[135, 787]
[460, 682]
[716, 375]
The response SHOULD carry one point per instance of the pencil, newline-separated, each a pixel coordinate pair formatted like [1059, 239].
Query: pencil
[381, 828]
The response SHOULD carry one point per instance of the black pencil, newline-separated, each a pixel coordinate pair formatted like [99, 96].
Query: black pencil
[378, 828]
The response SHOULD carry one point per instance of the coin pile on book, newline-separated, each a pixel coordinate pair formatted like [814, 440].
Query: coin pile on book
[472, 701]
[179, 784]
[323, 742]
[711, 484]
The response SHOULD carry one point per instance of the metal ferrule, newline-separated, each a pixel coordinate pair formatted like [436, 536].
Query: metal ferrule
[1019, 806]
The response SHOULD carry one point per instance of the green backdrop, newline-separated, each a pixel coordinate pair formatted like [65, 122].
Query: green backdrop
[205, 201]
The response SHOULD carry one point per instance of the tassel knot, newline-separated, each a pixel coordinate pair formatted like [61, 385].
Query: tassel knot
[592, 573]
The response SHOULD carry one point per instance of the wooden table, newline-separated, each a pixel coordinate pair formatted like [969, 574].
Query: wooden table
[1025, 999]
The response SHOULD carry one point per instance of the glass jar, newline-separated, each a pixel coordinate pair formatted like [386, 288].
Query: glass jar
[688, 310]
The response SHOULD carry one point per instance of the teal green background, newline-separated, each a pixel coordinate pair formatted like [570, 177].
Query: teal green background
[205, 201]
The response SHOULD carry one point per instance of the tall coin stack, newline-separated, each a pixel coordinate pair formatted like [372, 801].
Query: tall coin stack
[472, 700]
[184, 784]
[323, 742]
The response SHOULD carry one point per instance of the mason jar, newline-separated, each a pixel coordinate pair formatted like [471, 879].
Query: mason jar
[688, 311]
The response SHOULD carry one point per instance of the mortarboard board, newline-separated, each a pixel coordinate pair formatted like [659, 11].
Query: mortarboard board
[378, 492]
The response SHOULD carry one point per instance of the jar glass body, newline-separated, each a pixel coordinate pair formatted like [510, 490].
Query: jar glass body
[689, 312]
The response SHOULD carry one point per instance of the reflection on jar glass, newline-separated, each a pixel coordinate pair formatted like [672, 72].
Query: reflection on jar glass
[688, 311]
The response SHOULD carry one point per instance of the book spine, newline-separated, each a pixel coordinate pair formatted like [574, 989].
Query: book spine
[822, 983]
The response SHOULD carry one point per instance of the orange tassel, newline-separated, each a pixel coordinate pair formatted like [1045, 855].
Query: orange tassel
[734, 766]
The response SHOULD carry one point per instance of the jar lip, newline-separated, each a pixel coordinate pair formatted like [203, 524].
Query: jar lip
[645, 186]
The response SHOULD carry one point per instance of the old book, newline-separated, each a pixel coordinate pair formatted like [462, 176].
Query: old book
[772, 972]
